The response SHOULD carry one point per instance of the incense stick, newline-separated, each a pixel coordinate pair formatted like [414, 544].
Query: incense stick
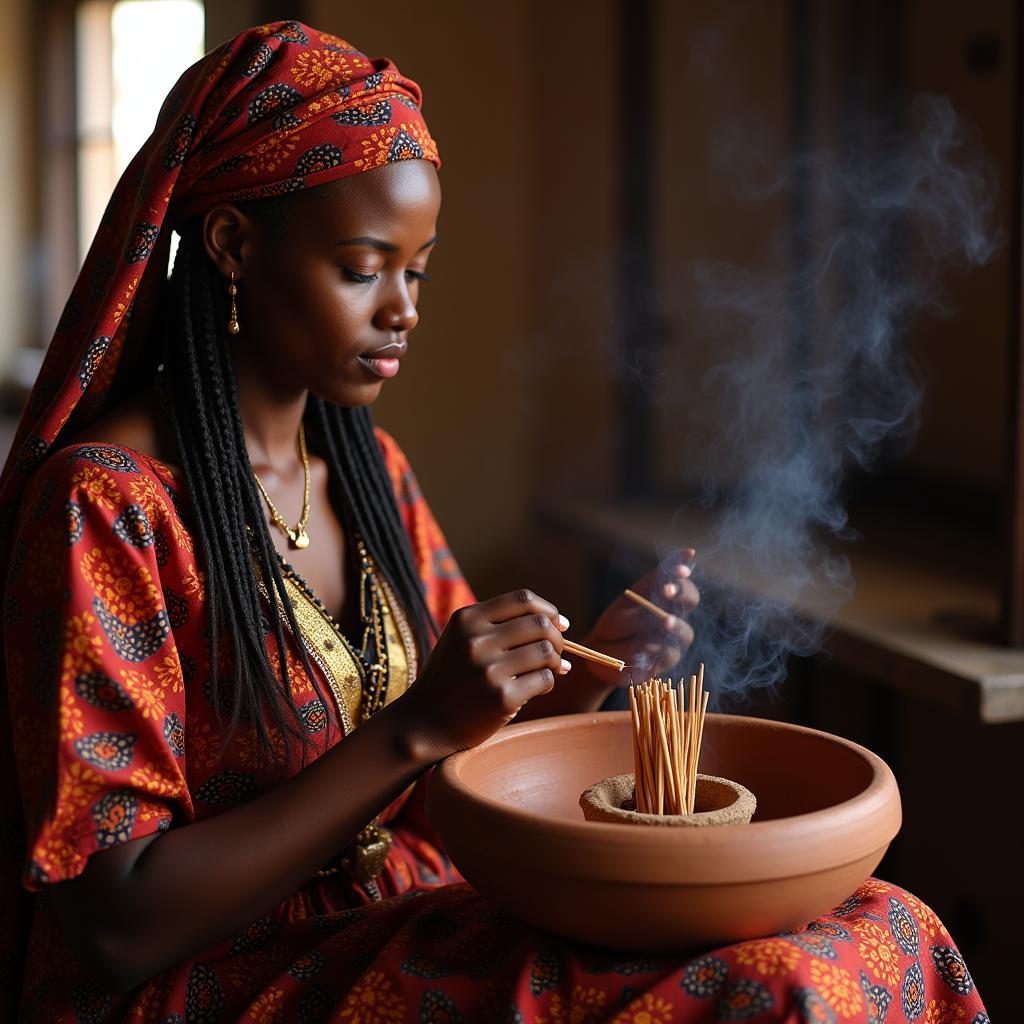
[591, 655]
[649, 605]
[637, 760]
[666, 776]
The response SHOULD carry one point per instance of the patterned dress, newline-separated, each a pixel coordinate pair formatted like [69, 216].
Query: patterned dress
[110, 689]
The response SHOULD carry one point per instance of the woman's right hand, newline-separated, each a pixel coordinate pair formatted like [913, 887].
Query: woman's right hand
[489, 661]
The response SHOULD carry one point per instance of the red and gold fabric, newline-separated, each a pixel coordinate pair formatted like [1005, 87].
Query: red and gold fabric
[111, 689]
[279, 108]
[116, 738]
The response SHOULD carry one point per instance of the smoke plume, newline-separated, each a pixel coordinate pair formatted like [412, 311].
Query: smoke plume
[799, 400]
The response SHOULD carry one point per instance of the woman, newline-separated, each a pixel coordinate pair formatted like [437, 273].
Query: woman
[218, 571]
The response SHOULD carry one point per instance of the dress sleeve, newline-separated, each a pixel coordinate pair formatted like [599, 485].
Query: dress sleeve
[445, 586]
[95, 683]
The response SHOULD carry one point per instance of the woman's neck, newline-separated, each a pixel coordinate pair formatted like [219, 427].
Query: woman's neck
[271, 418]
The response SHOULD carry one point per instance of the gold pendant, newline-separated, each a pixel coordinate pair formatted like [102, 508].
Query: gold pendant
[298, 538]
[365, 859]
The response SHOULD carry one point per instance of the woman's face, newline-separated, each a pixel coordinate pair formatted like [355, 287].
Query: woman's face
[327, 299]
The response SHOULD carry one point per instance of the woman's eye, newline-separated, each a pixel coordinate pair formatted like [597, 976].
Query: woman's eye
[354, 275]
[417, 275]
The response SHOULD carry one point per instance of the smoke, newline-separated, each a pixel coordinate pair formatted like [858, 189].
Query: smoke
[814, 380]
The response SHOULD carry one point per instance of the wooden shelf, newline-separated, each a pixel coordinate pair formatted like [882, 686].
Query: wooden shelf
[922, 617]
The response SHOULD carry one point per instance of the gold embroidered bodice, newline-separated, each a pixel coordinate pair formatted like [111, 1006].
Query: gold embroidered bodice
[338, 660]
[360, 680]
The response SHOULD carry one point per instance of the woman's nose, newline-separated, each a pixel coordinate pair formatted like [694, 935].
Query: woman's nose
[398, 311]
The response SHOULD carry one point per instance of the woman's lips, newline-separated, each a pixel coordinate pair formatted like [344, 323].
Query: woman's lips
[382, 367]
[384, 360]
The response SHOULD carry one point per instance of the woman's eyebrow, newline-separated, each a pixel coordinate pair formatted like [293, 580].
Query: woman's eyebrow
[378, 243]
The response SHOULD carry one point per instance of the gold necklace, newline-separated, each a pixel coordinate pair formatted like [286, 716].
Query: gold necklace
[297, 538]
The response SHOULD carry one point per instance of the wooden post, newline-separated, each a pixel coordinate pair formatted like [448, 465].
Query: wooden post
[636, 326]
[1013, 528]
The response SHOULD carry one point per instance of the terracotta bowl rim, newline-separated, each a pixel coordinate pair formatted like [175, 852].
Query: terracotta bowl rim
[724, 852]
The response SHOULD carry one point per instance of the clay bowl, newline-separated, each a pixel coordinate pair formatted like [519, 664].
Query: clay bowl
[508, 813]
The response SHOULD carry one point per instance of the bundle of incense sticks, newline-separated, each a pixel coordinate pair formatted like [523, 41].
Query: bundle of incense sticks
[666, 743]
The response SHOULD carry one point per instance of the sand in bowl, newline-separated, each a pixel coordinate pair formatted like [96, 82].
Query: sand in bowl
[717, 801]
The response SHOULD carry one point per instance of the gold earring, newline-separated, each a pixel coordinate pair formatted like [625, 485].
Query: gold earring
[233, 327]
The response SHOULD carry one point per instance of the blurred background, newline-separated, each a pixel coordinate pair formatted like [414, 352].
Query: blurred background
[632, 189]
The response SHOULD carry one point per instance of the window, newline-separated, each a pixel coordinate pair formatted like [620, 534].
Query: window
[109, 65]
[128, 54]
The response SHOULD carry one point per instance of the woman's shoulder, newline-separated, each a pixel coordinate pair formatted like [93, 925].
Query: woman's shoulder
[88, 485]
[130, 438]
[119, 466]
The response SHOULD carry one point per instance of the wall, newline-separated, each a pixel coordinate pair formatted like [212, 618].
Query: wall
[723, 132]
[226, 18]
[729, 131]
[964, 357]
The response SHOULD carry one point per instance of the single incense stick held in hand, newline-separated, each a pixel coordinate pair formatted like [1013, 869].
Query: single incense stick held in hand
[596, 656]
[649, 605]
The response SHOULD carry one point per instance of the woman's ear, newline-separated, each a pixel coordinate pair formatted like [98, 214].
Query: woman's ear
[227, 238]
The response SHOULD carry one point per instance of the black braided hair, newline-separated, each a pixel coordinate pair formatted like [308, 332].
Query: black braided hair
[198, 381]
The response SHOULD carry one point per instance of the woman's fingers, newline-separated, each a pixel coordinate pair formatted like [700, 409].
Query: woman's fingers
[518, 603]
[530, 657]
[674, 629]
[490, 659]
[526, 630]
[673, 570]
[663, 659]
[679, 631]
[526, 644]
[531, 684]
[680, 592]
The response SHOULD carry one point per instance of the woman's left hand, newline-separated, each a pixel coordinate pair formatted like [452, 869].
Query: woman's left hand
[648, 644]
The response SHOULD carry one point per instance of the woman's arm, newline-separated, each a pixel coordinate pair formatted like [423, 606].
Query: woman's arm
[143, 906]
[139, 908]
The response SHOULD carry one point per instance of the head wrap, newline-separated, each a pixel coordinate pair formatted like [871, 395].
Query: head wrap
[279, 108]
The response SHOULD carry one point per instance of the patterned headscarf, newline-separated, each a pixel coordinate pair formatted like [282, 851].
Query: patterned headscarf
[279, 108]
